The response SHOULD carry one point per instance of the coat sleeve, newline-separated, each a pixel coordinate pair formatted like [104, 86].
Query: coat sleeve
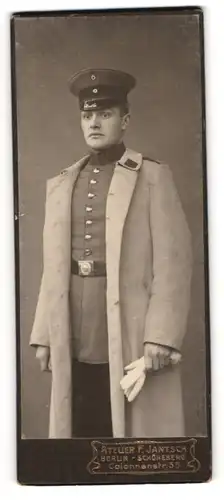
[169, 302]
[40, 333]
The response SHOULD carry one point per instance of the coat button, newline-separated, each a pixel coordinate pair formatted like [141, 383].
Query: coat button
[89, 222]
[93, 181]
[64, 172]
[96, 170]
[91, 195]
[88, 209]
[88, 236]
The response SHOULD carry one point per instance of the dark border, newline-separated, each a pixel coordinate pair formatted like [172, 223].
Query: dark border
[206, 240]
[96, 12]
[63, 462]
[16, 234]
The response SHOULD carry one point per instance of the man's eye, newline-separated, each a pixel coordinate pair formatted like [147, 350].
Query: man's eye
[86, 116]
[105, 114]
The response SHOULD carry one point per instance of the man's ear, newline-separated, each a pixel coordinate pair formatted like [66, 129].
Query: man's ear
[125, 121]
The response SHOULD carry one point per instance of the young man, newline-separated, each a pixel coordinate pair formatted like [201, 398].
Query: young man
[116, 280]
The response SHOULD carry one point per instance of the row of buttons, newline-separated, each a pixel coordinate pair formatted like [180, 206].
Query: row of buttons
[89, 209]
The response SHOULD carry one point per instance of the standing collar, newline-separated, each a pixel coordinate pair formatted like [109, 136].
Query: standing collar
[109, 155]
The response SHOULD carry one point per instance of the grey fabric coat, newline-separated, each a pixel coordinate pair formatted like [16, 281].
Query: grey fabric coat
[148, 258]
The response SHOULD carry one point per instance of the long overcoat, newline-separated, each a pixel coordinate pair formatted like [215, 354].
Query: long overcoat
[148, 259]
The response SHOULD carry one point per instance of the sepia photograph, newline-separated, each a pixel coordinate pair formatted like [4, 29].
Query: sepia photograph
[110, 218]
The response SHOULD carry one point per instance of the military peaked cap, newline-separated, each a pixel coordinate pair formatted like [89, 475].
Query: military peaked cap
[100, 88]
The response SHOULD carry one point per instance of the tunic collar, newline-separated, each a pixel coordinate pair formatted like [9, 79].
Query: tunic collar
[106, 156]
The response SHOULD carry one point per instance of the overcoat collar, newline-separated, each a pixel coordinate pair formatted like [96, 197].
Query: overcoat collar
[130, 160]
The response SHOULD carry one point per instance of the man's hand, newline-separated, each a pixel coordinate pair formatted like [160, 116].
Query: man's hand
[156, 356]
[43, 356]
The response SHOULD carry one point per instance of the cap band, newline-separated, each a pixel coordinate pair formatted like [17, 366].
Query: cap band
[101, 96]
[100, 103]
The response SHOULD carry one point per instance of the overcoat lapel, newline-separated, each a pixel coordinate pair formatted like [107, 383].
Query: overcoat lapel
[118, 201]
[57, 250]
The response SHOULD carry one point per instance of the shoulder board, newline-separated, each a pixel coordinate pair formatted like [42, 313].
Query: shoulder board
[131, 160]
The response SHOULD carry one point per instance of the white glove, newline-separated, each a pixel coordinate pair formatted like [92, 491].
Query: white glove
[132, 391]
[134, 379]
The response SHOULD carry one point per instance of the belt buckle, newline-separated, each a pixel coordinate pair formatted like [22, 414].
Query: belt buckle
[85, 267]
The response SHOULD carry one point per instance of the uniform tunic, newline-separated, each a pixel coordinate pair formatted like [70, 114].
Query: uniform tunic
[88, 294]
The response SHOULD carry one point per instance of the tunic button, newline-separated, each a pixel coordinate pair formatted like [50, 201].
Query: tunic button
[91, 195]
[88, 236]
[88, 252]
[88, 209]
[96, 171]
[89, 222]
[93, 181]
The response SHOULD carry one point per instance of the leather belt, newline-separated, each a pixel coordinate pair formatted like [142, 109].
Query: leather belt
[88, 268]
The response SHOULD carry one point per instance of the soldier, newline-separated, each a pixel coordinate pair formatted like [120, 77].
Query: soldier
[116, 279]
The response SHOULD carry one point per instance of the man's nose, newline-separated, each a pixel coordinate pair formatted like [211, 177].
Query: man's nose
[95, 122]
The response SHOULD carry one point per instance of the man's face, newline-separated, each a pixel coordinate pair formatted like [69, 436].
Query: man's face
[103, 128]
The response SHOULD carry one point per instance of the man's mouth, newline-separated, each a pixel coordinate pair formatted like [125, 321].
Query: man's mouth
[95, 134]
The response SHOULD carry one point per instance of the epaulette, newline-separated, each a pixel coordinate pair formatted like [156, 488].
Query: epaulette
[131, 160]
